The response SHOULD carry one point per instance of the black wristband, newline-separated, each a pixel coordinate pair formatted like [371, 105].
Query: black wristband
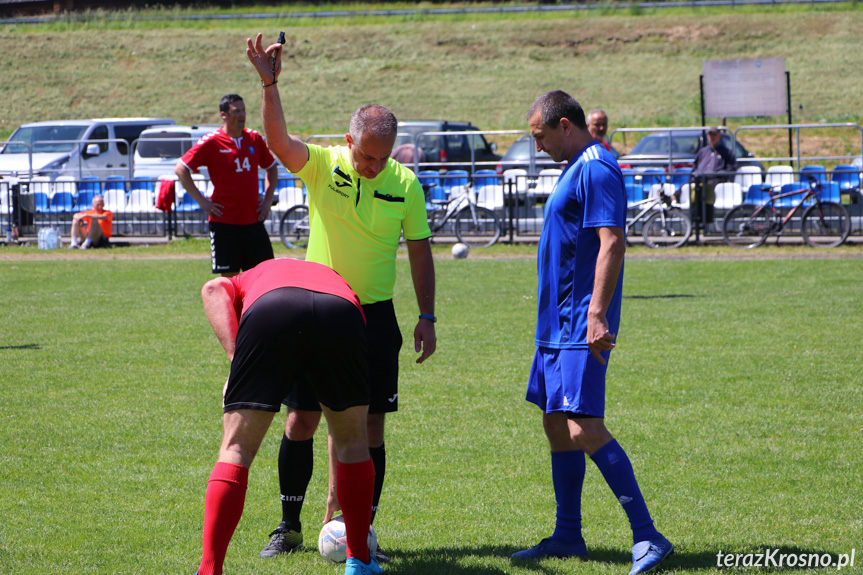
[268, 85]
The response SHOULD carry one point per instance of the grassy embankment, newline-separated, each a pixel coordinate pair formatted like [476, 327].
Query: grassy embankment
[641, 66]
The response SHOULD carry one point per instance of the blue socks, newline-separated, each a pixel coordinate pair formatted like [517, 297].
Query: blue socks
[567, 473]
[617, 471]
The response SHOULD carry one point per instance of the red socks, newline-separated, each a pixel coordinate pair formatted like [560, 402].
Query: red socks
[223, 507]
[355, 485]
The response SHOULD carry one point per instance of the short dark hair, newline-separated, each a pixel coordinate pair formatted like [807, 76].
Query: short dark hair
[555, 105]
[226, 101]
[373, 119]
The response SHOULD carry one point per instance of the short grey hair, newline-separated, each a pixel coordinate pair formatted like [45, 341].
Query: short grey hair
[375, 120]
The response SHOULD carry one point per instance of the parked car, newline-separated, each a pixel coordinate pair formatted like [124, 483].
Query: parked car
[522, 154]
[446, 150]
[652, 150]
[76, 148]
[159, 149]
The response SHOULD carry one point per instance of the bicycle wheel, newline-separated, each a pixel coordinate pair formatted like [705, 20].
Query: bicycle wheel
[667, 229]
[294, 227]
[825, 225]
[477, 227]
[744, 228]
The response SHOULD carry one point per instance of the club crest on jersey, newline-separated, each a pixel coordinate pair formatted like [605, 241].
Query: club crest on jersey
[251, 149]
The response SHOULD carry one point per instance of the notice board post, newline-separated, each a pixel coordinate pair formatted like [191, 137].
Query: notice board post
[739, 88]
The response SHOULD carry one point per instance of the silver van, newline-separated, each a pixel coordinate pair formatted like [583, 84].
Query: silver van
[77, 148]
[159, 149]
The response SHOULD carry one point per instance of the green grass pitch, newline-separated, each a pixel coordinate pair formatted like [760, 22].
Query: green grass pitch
[735, 388]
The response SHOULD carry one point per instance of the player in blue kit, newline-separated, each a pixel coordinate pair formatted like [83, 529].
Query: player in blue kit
[580, 267]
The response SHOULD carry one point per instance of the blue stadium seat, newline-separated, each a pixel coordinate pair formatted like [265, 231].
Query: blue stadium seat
[817, 172]
[41, 203]
[634, 194]
[187, 204]
[830, 192]
[430, 179]
[143, 183]
[115, 183]
[454, 179]
[757, 194]
[62, 203]
[680, 177]
[790, 200]
[485, 178]
[848, 177]
[651, 177]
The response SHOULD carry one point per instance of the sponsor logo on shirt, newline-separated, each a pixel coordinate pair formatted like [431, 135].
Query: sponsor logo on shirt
[338, 172]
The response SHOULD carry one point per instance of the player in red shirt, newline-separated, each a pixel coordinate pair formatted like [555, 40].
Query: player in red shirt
[277, 322]
[233, 155]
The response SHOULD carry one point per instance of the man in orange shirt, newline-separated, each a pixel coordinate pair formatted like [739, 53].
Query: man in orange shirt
[84, 234]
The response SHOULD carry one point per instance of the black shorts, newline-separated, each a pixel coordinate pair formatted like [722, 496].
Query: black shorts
[238, 248]
[385, 342]
[292, 333]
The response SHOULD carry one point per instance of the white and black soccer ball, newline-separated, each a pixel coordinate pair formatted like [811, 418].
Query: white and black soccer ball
[333, 542]
[460, 250]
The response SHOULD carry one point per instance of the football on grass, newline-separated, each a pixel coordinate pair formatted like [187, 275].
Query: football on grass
[459, 251]
[333, 544]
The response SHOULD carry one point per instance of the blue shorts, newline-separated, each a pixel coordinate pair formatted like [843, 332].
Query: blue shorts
[567, 380]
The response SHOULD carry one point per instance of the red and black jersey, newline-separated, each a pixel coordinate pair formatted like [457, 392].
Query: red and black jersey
[285, 272]
[233, 165]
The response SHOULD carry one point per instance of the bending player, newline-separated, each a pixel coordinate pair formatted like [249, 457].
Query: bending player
[277, 323]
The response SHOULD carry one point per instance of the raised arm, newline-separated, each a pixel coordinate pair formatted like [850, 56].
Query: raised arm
[218, 296]
[291, 150]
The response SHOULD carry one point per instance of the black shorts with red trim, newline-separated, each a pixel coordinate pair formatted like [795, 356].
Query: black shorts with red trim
[235, 248]
[290, 334]
[385, 343]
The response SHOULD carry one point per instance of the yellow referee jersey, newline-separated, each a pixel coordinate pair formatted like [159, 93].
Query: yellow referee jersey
[356, 223]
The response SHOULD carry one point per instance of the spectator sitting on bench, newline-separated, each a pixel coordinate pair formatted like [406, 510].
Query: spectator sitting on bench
[84, 234]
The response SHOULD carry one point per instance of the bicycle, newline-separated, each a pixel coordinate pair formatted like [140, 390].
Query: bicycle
[294, 227]
[666, 227]
[824, 224]
[475, 226]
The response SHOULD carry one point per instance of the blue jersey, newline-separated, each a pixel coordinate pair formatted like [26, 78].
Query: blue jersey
[589, 194]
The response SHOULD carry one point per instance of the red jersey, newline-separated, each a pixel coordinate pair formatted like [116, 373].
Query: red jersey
[284, 272]
[233, 166]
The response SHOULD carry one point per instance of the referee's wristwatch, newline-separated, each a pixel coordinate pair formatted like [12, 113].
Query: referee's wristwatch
[429, 317]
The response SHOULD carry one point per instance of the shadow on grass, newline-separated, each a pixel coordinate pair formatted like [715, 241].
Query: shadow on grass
[22, 346]
[456, 560]
[662, 296]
